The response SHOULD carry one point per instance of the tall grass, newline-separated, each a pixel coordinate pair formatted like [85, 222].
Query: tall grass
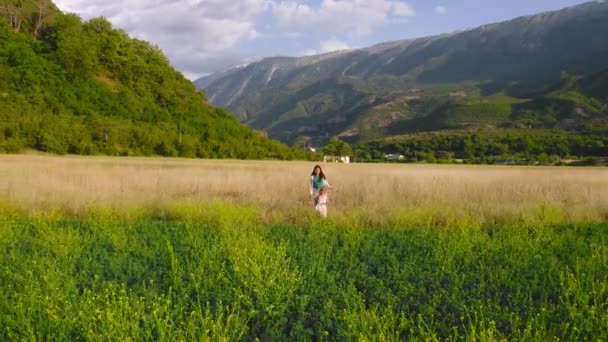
[280, 190]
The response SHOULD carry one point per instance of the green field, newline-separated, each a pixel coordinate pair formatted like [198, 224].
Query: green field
[224, 276]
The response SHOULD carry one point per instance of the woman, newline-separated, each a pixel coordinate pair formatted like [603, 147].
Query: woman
[317, 181]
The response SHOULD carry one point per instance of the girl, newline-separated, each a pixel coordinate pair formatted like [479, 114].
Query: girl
[317, 181]
[321, 206]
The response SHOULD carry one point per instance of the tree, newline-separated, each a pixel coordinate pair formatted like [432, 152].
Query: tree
[337, 147]
[12, 11]
[74, 49]
[561, 149]
[43, 8]
[344, 149]
[468, 148]
[330, 150]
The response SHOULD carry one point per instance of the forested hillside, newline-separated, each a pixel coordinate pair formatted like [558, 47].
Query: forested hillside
[68, 86]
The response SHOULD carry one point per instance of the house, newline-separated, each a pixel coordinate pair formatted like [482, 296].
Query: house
[337, 159]
[394, 157]
[311, 149]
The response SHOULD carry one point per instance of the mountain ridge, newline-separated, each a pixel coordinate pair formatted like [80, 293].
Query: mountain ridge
[518, 57]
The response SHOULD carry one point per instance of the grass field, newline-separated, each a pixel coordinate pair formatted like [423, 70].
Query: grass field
[148, 249]
[371, 192]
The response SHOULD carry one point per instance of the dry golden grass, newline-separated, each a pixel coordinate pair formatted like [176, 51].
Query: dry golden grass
[276, 189]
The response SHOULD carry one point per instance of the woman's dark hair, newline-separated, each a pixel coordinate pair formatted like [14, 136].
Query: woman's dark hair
[321, 174]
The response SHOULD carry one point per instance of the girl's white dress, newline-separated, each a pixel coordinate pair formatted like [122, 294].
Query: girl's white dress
[321, 206]
[321, 200]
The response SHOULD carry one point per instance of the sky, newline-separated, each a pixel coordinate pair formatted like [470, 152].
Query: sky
[201, 37]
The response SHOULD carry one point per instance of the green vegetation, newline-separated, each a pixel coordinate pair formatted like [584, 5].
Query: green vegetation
[568, 121]
[87, 88]
[478, 113]
[575, 102]
[367, 112]
[489, 146]
[199, 272]
[295, 112]
[337, 147]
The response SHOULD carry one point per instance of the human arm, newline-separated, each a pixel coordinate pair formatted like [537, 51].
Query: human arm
[311, 186]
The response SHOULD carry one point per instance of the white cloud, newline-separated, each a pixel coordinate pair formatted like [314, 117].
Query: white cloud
[358, 17]
[189, 29]
[402, 9]
[332, 45]
[441, 9]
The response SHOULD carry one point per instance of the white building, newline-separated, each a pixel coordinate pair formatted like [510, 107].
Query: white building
[336, 159]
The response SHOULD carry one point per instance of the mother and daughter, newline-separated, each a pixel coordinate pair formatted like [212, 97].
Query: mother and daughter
[319, 189]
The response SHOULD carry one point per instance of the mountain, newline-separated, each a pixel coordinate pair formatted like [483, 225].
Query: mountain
[474, 79]
[68, 86]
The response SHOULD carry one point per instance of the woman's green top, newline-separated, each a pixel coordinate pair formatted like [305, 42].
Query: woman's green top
[317, 182]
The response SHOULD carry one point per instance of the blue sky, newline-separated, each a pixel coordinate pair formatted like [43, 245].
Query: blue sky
[206, 36]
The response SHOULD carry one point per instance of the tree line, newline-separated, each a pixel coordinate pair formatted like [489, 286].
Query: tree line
[487, 147]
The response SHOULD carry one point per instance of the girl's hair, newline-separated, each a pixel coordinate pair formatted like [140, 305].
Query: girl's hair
[321, 174]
